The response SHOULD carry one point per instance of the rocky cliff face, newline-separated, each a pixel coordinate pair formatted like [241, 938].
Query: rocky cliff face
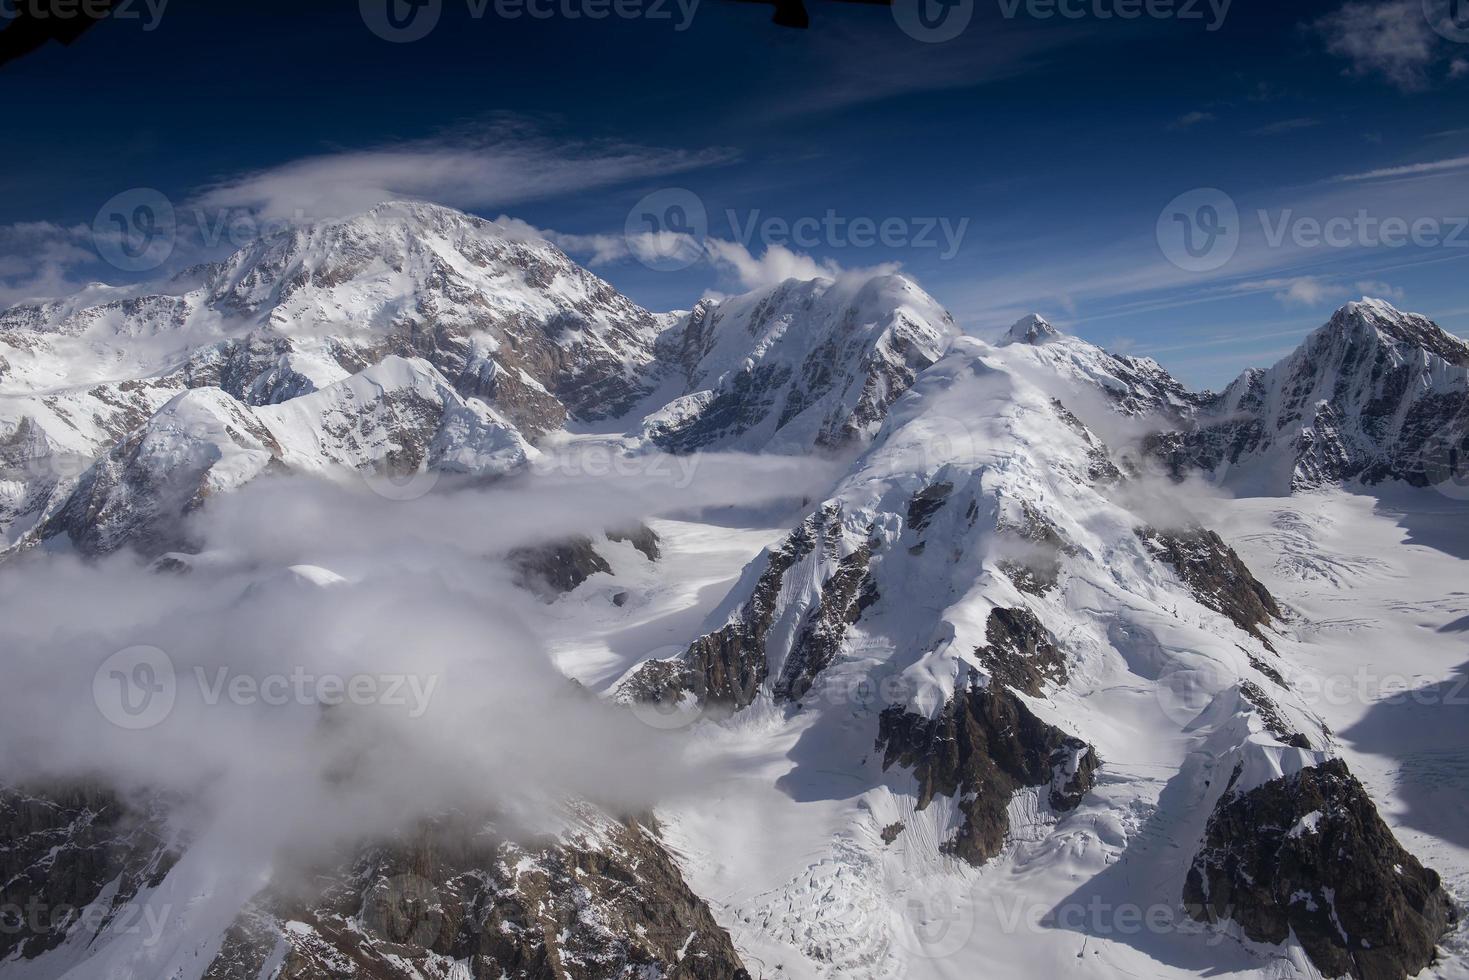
[605, 900]
[983, 748]
[1217, 577]
[1307, 856]
[798, 366]
[73, 858]
[1374, 395]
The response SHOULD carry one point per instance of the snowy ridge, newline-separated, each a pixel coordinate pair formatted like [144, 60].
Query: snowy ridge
[995, 666]
[1375, 394]
[395, 422]
[796, 366]
[979, 496]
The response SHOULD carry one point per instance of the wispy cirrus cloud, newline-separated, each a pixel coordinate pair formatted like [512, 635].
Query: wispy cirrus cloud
[1286, 126]
[1408, 170]
[496, 167]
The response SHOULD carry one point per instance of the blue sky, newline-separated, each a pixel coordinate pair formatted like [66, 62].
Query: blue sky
[1027, 164]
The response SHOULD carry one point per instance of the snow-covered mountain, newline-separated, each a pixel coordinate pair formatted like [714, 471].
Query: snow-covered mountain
[1012, 602]
[797, 366]
[390, 424]
[994, 673]
[1373, 395]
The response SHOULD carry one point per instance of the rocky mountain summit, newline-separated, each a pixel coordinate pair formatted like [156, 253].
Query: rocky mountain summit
[1373, 395]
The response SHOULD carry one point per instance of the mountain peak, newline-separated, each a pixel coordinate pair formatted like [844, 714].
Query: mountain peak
[1032, 329]
[1380, 318]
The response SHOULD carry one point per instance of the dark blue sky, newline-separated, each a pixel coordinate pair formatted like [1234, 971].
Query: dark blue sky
[1055, 145]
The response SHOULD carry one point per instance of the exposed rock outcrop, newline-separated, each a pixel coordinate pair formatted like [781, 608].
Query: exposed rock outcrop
[983, 747]
[726, 669]
[71, 859]
[604, 900]
[1021, 653]
[843, 598]
[558, 567]
[1216, 576]
[1308, 856]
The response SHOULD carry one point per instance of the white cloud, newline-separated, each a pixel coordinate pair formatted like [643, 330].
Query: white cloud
[487, 724]
[38, 260]
[1297, 290]
[1190, 119]
[779, 263]
[1458, 68]
[1410, 170]
[487, 169]
[1381, 290]
[733, 260]
[1391, 39]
